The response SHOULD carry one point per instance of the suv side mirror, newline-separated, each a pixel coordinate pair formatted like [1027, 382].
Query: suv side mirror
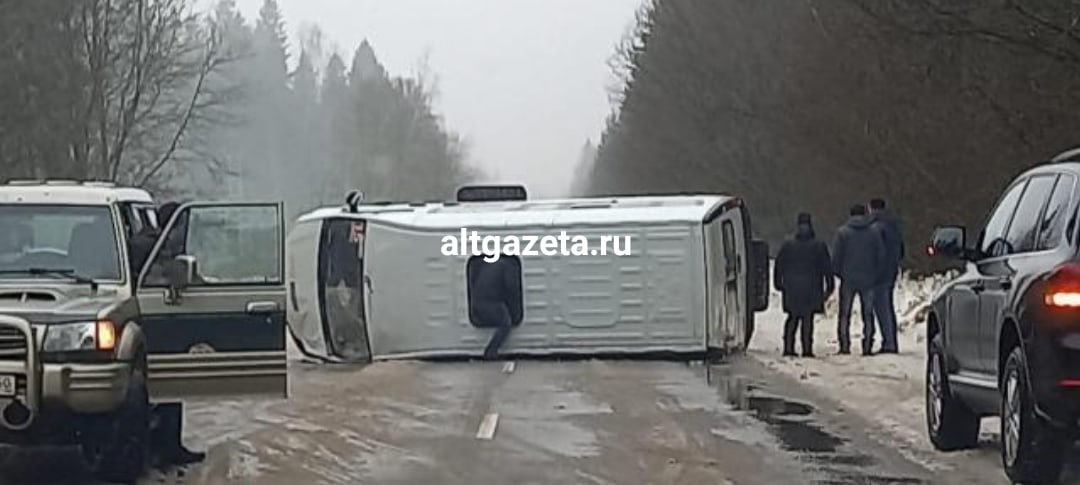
[950, 242]
[181, 273]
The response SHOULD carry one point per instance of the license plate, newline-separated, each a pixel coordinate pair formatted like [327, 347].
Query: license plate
[7, 385]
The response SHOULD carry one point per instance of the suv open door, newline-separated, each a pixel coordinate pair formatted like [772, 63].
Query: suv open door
[212, 303]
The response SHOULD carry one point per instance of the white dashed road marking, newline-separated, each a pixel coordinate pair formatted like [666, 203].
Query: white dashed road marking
[508, 367]
[487, 426]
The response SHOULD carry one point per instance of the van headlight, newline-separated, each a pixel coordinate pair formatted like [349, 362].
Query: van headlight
[68, 337]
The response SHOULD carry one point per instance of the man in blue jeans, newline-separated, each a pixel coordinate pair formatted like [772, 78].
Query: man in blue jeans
[858, 256]
[888, 224]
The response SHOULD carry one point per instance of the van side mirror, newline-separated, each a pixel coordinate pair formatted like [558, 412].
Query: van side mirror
[949, 242]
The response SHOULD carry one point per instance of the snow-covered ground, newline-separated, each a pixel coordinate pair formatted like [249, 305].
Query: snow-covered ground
[885, 389]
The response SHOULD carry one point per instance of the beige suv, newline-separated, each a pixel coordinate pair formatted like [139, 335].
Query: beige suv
[90, 345]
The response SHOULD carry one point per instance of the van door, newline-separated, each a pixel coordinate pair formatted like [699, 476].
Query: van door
[224, 333]
[716, 331]
[342, 295]
[304, 321]
[734, 251]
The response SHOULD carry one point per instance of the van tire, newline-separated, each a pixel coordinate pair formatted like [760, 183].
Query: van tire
[1037, 455]
[125, 455]
[951, 424]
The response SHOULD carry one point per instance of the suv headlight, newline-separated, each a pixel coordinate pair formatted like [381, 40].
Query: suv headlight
[68, 337]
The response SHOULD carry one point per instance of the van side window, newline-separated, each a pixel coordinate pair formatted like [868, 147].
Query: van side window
[1053, 220]
[492, 284]
[1025, 224]
[992, 243]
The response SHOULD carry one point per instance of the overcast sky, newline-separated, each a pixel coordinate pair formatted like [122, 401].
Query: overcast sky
[523, 80]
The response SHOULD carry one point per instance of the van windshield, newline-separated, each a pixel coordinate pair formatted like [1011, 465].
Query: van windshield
[39, 241]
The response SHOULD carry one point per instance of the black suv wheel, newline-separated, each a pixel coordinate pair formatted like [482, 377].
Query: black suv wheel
[951, 424]
[1032, 450]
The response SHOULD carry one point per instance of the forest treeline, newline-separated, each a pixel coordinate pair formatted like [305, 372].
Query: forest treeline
[814, 105]
[156, 94]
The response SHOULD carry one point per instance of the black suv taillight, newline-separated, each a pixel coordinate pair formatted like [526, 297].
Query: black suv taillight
[1062, 289]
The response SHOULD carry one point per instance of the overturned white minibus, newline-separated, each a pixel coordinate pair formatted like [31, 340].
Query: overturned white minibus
[391, 281]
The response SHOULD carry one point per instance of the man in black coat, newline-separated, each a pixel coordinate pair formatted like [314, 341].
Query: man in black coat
[886, 222]
[858, 259]
[803, 274]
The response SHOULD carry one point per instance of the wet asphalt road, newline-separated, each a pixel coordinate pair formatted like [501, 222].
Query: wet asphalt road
[581, 422]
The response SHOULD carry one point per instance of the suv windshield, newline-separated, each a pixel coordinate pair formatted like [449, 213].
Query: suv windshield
[38, 239]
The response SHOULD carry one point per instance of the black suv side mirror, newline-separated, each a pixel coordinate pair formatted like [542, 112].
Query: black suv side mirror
[949, 242]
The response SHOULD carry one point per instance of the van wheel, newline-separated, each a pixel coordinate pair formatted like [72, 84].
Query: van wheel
[950, 423]
[122, 454]
[1032, 450]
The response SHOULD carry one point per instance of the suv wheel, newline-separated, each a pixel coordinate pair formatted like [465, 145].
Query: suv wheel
[1032, 450]
[123, 454]
[951, 424]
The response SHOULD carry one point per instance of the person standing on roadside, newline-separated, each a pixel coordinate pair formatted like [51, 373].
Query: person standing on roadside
[888, 224]
[858, 256]
[803, 274]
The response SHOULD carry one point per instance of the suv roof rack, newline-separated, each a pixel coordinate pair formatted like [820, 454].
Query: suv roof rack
[60, 182]
[1067, 156]
[99, 183]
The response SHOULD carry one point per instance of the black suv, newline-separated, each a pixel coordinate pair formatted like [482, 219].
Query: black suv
[1004, 337]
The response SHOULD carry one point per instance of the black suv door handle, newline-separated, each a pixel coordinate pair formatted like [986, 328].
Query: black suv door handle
[978, 287]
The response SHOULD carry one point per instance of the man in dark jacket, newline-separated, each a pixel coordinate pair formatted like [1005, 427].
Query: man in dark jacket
[858, 256]
[803, 274]
[886, 222]
[141, 244]
[495, 299]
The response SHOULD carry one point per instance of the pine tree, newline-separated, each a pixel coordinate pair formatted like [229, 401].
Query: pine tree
[270, 32]
[334, 100]
[309, 123]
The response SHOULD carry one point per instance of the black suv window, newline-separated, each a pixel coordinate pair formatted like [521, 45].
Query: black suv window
[1053, 220]
[993, 237]
[1025, 224]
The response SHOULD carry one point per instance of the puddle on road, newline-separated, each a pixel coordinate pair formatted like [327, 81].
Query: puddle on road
[794, 426]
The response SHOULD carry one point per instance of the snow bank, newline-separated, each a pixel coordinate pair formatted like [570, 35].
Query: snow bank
[885, 389]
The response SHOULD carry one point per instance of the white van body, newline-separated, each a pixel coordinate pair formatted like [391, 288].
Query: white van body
[683, 288]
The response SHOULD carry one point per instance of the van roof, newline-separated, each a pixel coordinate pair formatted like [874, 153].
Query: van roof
[69, 192]
[593, 210]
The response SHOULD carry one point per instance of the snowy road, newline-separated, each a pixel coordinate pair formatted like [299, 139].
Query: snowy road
[595, 422]
[887, 391]
[760, 419]
[537, 422]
